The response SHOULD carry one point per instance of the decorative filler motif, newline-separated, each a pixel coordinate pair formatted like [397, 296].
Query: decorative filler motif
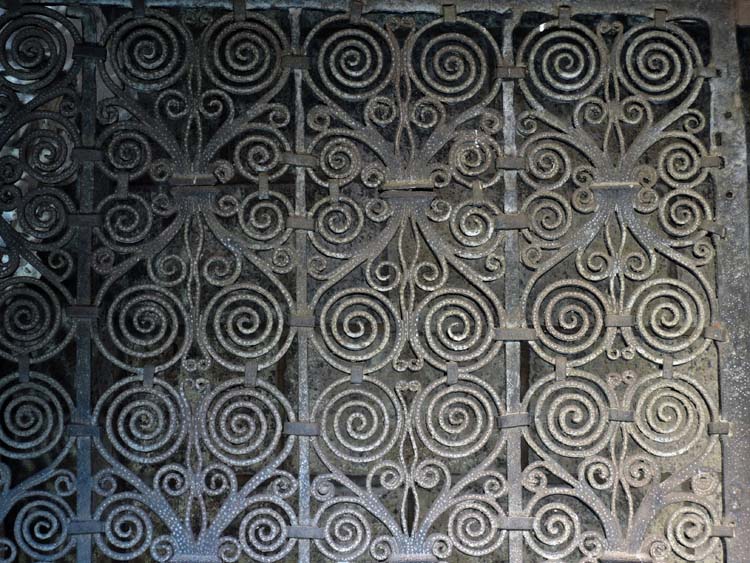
[307, 285]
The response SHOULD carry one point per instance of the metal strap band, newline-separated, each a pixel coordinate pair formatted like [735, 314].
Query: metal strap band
[334, 190]
[302, 321]
[355, 10]
[510, 163]
[306, 533]
[263, 185]
[564, 14]
[148, 375]
[357, 374]
[449, 11]
[615, 185]
[302, 428]
[83, 311]
[660, 17]
[139, 7]
[708, 71]
[621, 415]
[300, 223]
[299, 159]
[716, 331]
[403, 195]
[87, 154]
[477, 191]
[619, 321]
[23, 367]
[293, 61]
[517, 523]
[85, 527]
[251, 373]
[512, 221]
[712, 161]
[622, 557]
[510, 72]
[412, 558]
[451, 372]
[123, 181]
[90, 50]
[410, 184]
[185, 180]
[667, 368]
[720, 428]
[514, 420]
[715, 228]
[722, 531]
[80, 430]
[84, 220]
[561, 367]
[239, 9]
[514, 334]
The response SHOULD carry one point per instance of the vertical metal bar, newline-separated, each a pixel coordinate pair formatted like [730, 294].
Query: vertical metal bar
[303, 407]
[733, 265]
[83, 292]
[512, 293]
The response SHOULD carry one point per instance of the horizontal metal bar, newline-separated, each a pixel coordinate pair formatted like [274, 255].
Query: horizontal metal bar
[512, 221]
[302, 321]
[300, 223]
[84, 219]
[289, 60]
[517, 523]
[721, 427]
[514, 420]
[618, 321]
[83, 311]
[87, 154]
[85, 527]
[90, 51]
[306, 533]
[81, 430]
[514, 334]
[620, 415]
[302, 428]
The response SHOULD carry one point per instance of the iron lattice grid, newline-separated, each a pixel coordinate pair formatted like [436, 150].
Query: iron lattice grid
[387, 281]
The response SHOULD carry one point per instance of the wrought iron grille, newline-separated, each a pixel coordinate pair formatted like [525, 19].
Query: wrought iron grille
[384, 281]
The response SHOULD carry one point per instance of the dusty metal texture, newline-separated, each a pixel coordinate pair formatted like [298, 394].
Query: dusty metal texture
[373, 281]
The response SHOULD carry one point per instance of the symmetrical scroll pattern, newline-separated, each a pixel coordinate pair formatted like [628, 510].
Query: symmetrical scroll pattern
[304, 285]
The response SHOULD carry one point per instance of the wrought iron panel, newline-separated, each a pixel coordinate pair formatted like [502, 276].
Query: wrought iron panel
[384, 281]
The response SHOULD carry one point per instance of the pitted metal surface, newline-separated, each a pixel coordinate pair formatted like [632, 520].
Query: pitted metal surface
[373, 281]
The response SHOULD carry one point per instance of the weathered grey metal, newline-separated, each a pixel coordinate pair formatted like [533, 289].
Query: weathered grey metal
[384, 280]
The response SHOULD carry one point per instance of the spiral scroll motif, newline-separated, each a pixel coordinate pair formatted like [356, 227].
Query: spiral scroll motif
[568, 316]
[354, 62]
[358, 325]
[148, 54]
[242, 321]
[557, 530]
[347, 532]
[571, 417]
[670, 317]
[243, 57]
[451, 64]
[41, 527]
[358, 424]
[263, 533]
[144, 424]
[671, 417]
[564, 64]
[658, 64]
[473, 526]
[34, 48]
[456, 421]
[33, 415]
[456, 325]
[242, 427]
[147, 321]
[31, 319]
[128, 529]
